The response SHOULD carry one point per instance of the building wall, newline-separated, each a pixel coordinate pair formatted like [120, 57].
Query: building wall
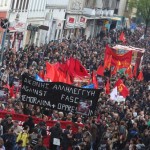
[122, 6]
[4, 5]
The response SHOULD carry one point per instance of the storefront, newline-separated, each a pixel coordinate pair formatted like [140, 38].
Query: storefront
[15, 35]
[75, 26]
[35, 33]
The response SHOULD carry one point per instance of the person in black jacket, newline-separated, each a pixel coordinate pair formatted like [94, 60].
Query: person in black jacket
[7, 124]
[29, 122]
[56, 132]
[9, 140]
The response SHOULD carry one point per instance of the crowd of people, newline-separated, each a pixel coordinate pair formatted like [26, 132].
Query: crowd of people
[115, 126]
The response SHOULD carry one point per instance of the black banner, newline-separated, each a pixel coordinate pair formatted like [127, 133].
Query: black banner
[59, 96]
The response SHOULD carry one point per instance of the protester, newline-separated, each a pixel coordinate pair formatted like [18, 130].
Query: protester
[67, 138]
[9, 139]
[40, 145]
[24, 136]
[56, 136]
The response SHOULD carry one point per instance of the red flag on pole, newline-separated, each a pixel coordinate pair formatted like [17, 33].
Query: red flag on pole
[107, 61]
[51, 73]
[122, 37]
[68, 79]
[129, 72]
[11, 91]
[140, 76]
[41, 74]
[122, 88]
[100, 70]
[116, 68]
[107, 87]
[135, 70]
[80, 70]
[94, 80]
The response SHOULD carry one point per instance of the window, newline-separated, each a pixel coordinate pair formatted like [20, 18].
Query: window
[20, 4]
[112, 4]
[17, 4]
[12, 5]
[1, 3]
[5, 2]
[89, 3]
[117, 4]
[127, 6]
[27, 4]
[105, 4]
[24, 2]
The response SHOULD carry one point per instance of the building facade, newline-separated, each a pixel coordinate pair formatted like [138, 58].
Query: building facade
[40, 21]
[55, 18]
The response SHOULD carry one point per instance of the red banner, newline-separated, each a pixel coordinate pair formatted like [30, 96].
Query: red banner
[123, 61]
[22, 118]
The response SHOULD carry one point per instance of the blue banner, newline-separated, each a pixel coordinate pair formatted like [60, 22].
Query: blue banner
[37, 78]
[91, 86]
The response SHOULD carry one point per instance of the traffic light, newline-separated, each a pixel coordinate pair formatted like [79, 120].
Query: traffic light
[4, 23]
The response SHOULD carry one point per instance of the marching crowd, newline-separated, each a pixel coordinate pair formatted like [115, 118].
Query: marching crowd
[115, 126]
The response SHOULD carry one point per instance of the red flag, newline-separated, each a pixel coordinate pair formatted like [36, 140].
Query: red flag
[129, 72]
[76, 69]
[122, 37]
[122, 88]
[124, 60]
[11, 91]
[80, 70]
[116, 69]
[135, 70]
[61, 66]
[140, 76]
[41, 74]
[61, 77]
[71, 66]
[94, 80]
[107, 87]
[100, 70]
[107, 62]
[68, 79]
[51, 73]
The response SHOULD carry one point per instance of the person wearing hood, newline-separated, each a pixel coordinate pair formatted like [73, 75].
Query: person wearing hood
[56, 134]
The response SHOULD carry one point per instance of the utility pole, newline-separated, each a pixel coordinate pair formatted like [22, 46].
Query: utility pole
[4, 24]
